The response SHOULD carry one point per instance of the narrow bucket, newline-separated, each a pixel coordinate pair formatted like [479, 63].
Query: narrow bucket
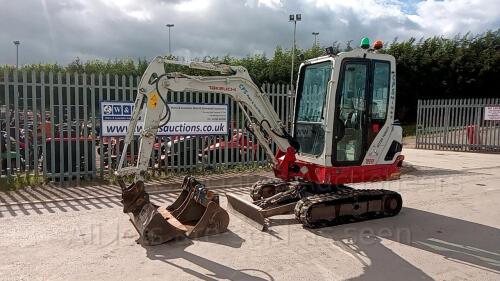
[186, 187]
[200, 212]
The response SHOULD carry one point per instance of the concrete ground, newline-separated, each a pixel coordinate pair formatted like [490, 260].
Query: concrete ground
[447, 230]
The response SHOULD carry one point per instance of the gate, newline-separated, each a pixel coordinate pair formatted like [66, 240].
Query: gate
[458, 124]
[50, 128]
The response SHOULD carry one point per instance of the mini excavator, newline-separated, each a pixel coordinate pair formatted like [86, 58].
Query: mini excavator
[343, 132]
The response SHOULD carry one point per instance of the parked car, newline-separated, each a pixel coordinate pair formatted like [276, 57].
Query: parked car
[112, 148]
[240, 145]
[183, 150]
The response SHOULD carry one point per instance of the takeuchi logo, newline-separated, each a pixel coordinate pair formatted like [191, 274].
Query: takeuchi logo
[222, 88]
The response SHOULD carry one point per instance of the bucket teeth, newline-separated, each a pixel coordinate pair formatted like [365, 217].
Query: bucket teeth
[195, 213]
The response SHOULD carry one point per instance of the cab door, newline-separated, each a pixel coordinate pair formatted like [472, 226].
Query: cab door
[361, 105]
[351, 116]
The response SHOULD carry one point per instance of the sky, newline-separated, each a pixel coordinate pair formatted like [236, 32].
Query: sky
[58, 31]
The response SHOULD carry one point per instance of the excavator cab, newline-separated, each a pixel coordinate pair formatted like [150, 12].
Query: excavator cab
[342, 104]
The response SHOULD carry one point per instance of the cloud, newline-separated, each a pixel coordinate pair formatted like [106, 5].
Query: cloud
[60, 30]
[451, 17]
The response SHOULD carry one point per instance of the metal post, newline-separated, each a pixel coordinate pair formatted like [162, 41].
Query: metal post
[294, 18]
[293, 52]
[17, 42]
[169, 47]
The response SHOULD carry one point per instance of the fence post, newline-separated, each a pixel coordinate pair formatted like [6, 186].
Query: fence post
[101, 145]
[85, 125]
[418, 124]
[25, 124]
[16, 119]
[52, 125]
[8, 166]
[93, 120]
[446, 123]
[78, 163]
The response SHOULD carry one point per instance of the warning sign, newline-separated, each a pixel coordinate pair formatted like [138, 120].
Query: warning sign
[492, 113]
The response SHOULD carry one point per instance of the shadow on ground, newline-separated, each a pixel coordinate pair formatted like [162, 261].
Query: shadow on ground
[170, 252]
[464, 242]
[39, 201]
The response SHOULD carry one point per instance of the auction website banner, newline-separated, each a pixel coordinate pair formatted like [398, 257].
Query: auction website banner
[186, 119]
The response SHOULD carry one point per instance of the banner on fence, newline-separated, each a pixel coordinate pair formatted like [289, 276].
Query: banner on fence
[186, 119]
[492, 113]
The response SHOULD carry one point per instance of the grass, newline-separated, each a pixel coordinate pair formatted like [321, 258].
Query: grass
[218, 169]
[19, 181]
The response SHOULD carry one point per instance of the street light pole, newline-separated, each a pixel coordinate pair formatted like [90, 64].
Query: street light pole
[293, 18]
[169, 25]
[17, 52]
[315, 38]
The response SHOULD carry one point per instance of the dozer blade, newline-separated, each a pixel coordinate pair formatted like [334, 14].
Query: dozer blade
[255, 215]
[200, 212]
[247, 211]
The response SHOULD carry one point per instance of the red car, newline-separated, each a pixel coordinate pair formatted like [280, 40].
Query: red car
[240, 144]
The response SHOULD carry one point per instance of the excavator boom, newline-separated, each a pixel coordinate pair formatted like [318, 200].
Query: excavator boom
[197, 211]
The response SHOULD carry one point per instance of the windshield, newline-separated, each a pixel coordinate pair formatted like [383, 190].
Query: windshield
[311, 97]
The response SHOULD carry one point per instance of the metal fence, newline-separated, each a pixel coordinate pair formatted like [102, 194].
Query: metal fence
[50, 127]
[457, 124]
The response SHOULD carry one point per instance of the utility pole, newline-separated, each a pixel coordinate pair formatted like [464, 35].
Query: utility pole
[169, 25]
[293, 18]
[315, 38]
[17, 52]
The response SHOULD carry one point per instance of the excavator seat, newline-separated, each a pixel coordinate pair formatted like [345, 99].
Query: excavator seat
[195, 213]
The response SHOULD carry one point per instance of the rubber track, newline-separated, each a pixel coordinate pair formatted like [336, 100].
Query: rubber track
[278, 185]
[343, 196]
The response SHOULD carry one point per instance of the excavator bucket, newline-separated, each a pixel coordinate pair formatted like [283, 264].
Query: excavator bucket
[195, 213]
[155, 225]
[198, 209]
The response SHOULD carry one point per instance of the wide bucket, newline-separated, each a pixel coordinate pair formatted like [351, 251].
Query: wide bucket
[155, 225]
